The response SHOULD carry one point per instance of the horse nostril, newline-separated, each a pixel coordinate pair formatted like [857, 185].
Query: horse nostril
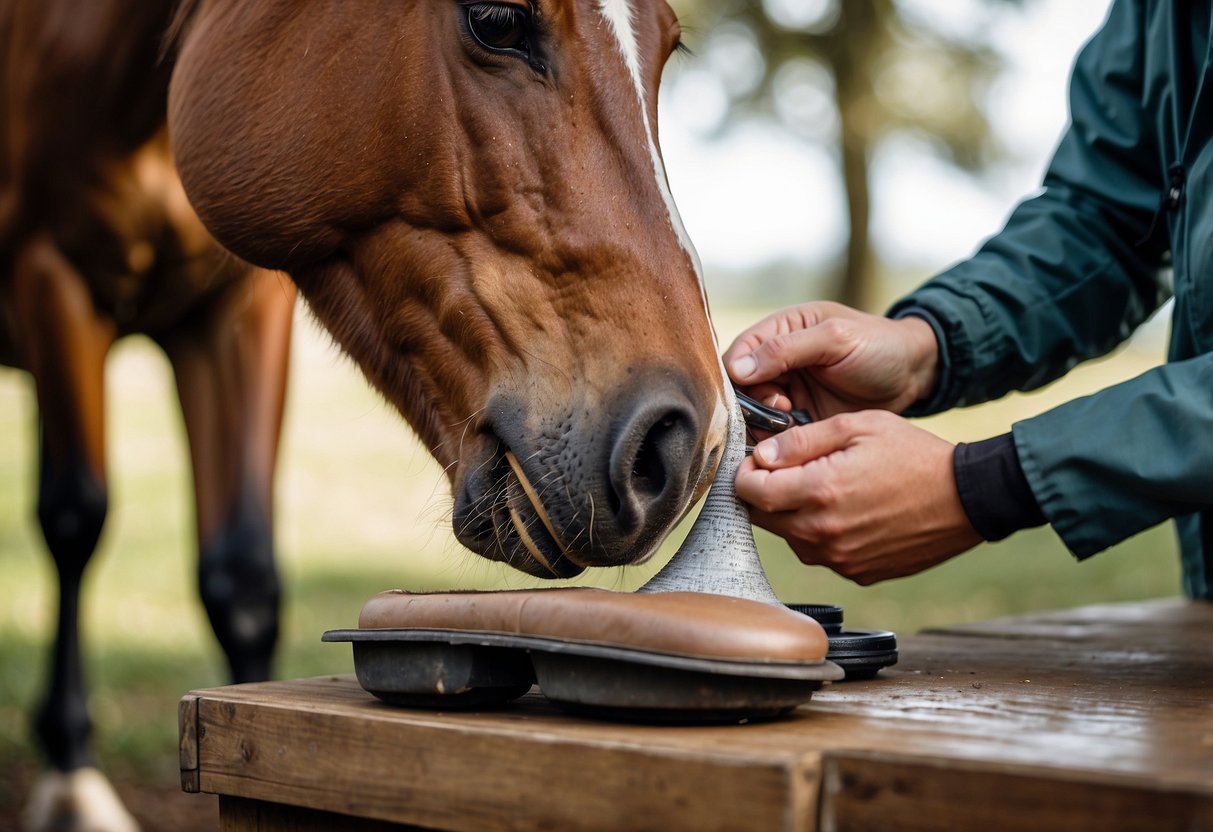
[648, 470]
[649, 465]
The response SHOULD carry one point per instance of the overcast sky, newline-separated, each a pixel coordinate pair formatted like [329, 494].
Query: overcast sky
[761, 195]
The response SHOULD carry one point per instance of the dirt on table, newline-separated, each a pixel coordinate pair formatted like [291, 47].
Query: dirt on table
[158, 806]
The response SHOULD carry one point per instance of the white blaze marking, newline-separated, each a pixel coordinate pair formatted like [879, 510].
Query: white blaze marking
[618, 14]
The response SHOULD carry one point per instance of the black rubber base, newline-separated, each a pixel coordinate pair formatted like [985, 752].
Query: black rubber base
[476, 699]
[447, 669]
[860, 653]
[630, 692]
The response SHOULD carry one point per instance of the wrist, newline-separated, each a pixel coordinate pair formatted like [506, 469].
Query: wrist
[923, 357]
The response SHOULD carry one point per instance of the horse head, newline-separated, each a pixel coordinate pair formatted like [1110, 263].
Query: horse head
[471, 197]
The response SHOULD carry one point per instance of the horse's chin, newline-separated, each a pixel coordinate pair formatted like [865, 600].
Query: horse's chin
[534, 541]
[498, 519]
[508, 523]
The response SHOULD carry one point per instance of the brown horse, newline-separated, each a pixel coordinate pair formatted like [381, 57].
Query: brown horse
[97, 240]
[471, 198]
[469, 195]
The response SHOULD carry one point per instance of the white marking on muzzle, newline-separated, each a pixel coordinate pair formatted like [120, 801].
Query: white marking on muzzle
[618, 14]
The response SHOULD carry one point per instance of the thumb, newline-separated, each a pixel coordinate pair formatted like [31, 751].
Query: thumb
[804, 443]
[815, 346]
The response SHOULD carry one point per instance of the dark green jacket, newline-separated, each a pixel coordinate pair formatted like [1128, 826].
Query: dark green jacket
[1080, 266]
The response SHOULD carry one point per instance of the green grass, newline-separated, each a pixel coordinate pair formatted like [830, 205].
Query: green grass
[362, 508]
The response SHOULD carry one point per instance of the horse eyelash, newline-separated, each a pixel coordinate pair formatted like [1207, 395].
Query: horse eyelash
[494, 13]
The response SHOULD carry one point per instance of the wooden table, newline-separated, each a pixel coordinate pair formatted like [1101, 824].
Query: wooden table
[1097, 718]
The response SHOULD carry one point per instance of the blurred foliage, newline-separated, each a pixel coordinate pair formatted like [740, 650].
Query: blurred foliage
[847, 74]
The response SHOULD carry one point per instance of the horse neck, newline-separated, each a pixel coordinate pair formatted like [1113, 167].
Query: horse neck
[105, 52]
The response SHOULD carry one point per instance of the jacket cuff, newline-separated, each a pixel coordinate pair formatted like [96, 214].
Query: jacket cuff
[993, 488]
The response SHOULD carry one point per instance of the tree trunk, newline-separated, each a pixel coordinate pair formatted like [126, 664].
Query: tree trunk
[858, 272]
[857, 44]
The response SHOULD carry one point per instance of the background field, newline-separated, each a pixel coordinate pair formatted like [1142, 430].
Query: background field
[362, 508]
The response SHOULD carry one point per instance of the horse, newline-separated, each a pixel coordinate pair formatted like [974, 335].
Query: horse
[490, 236]
[469, 195]
[97, 241]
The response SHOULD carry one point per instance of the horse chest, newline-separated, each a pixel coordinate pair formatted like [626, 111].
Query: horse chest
[128, 229]
[141, 248]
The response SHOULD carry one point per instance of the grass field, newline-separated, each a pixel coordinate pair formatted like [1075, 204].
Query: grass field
[362, 508]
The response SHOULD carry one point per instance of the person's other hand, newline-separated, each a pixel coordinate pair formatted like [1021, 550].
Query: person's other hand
[828, 358]
[867, 494]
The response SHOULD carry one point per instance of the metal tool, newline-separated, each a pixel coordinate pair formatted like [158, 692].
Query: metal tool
[759, 416]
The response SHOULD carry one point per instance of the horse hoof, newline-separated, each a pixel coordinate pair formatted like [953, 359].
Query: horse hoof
[76, 801]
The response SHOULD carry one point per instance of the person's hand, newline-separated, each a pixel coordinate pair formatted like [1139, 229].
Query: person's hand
[828, 358]
[867, 494]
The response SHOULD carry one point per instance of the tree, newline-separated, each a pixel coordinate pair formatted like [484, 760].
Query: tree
[883, 70]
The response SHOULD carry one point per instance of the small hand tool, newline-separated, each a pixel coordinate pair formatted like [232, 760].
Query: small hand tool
[759, 416]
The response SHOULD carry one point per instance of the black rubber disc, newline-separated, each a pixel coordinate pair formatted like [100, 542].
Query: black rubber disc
[862, 653]
[828, 616]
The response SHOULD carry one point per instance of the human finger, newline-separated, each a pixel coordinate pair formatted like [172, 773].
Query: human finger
[790, 319]
[807, 486]
[804, 443]
[753, 336]
[820, 345]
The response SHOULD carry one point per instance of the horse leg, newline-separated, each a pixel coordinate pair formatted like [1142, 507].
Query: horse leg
[64, 342]
[230, 361]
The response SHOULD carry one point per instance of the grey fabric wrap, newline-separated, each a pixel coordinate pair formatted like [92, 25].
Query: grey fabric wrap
[719, 555]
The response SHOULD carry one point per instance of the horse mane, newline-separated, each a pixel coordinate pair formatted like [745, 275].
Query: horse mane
[178, 23]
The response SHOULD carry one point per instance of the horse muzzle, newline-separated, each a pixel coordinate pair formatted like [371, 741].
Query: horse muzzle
[556, 492]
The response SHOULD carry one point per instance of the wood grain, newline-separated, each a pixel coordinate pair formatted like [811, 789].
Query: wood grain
[869, 791]
[1111, 705]
[187, 731]
[474, 772]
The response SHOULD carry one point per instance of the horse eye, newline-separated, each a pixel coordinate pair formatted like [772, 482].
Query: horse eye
[498, 26]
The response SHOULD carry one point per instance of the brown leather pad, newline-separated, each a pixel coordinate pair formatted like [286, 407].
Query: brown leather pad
[690, 624]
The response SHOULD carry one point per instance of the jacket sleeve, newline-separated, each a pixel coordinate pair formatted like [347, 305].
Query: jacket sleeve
[1107, 466]
[1064, 280]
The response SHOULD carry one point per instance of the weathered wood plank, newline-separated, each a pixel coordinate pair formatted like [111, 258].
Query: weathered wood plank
[187, 731]
[1109, 698]
[453, 773]
[866, 791]
[1121, 706]
[1161, 622]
